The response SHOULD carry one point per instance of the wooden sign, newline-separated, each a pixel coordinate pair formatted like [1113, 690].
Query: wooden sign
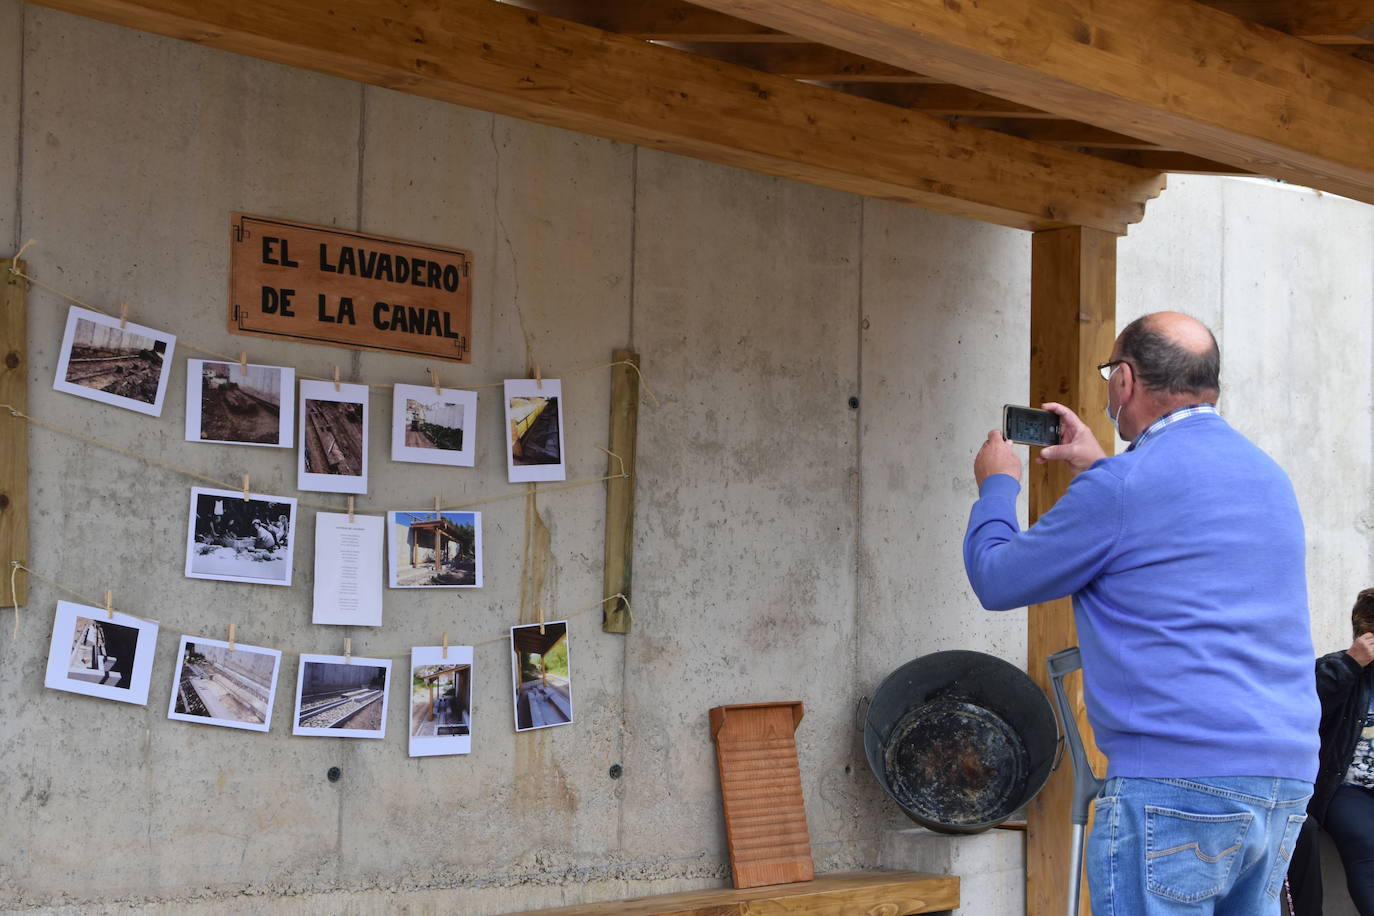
[347, 289]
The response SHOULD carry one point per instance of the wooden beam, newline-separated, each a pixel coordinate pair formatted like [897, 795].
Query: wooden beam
[14, 432]
[658, 20]
[1058, 132]
[944, 99]
[620, 491]
[1168, 161]
[501, 58]
[1313, 20]
[1073, 326]
[803, 62]
[1182, 75]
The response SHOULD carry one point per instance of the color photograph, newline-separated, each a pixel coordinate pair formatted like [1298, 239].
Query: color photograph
[534, 427]
[98, 655]
[436, 551]
[440, 700]
[127, 367]
[434, 427]
[225, 404]
[342, 697]
[240, 540]
[215, 684]
[543, 678]
[333, 438]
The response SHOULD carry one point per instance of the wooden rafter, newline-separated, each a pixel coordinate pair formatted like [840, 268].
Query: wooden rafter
[657, 20]
[803, 62]
[1324, 21]
[501, 58]
[1181, 75]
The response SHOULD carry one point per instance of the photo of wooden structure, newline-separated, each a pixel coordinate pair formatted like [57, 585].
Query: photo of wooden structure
[441, 701]
[543, 686]
[434, 549]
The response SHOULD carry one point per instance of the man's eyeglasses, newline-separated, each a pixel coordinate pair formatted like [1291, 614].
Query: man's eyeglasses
[1106, 369]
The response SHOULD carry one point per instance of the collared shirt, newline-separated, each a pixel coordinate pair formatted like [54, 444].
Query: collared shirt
[1173, 416]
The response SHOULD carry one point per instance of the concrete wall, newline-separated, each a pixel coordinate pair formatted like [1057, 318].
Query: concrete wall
[789, 546]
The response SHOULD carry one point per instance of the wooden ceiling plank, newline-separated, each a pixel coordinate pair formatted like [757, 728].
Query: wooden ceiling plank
[1311, 20]
[1059, 132]
[500, 58]
[657, 20]
[1182, 75]
[803, 62]
[1166, 161]
[942, 99]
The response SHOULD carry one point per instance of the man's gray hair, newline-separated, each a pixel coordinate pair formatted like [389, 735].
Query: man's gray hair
[1162, 365]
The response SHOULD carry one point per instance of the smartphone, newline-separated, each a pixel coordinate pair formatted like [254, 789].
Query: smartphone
[1030, 425]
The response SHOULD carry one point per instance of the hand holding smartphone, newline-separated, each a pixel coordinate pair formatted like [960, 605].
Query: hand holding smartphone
[1029, 425]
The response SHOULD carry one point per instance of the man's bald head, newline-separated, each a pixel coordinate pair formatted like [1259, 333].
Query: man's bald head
[1172, 354]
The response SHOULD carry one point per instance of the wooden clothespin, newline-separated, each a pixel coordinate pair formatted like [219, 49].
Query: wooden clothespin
[243, 364]
[541, 620]
[436, 508]
[245, 488]
[434, 377]
[446, 644]
[350, 510]
[231, 637]
[336, 379]
[348, 651]
[538, 377]
[109, 606]
[123, 315]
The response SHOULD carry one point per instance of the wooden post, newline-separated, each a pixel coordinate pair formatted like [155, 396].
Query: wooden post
[1073, 327]
[14, 432]
[620, 492]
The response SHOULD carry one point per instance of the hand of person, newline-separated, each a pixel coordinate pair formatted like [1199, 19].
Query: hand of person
[1362, 649]
[996, 457]
[1077, 447]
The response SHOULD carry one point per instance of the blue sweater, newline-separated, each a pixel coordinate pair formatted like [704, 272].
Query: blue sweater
[1185, 560]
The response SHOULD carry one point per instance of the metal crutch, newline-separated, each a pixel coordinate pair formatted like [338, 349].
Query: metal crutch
[1085, 783]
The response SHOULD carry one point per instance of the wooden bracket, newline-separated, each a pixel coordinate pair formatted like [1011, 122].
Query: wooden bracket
[620, 491]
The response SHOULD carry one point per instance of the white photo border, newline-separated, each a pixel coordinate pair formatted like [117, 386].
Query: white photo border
[439, 745]
[459, 458]
[286, 426]
[305, 658]
[312, 390]
[57, 674]
[197, 493]
[535, 473]
[172, 713]
[60, 383]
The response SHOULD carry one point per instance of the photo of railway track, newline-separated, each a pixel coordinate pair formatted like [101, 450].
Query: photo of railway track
[123, 366]
[215, 684]
[226, 404]
[342, 697]
[333, 438]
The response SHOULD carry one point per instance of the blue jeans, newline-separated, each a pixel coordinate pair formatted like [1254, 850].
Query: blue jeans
[1350, 821]
[1194, 846]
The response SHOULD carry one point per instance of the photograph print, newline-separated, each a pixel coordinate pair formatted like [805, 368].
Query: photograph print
[543, 679]
[237, 540]
[436, 551]
[98, 655]
[123, 366]
[342, 697]
[226, 404]
[434, 427]
[534, 430]
[215, 684]
[333, 438]
[440, 700]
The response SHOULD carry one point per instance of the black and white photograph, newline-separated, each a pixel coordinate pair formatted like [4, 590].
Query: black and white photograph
[221, 684]
[430, 426]
[440, 700]
[436, 551]
[124, 366]
[342, 697]
[240, 540]
[543, 678]
[333, 438]
[226, 404]
[534, 426]
[99, 655]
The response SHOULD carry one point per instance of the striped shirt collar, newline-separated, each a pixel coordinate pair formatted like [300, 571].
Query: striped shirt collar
[1173, 416]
